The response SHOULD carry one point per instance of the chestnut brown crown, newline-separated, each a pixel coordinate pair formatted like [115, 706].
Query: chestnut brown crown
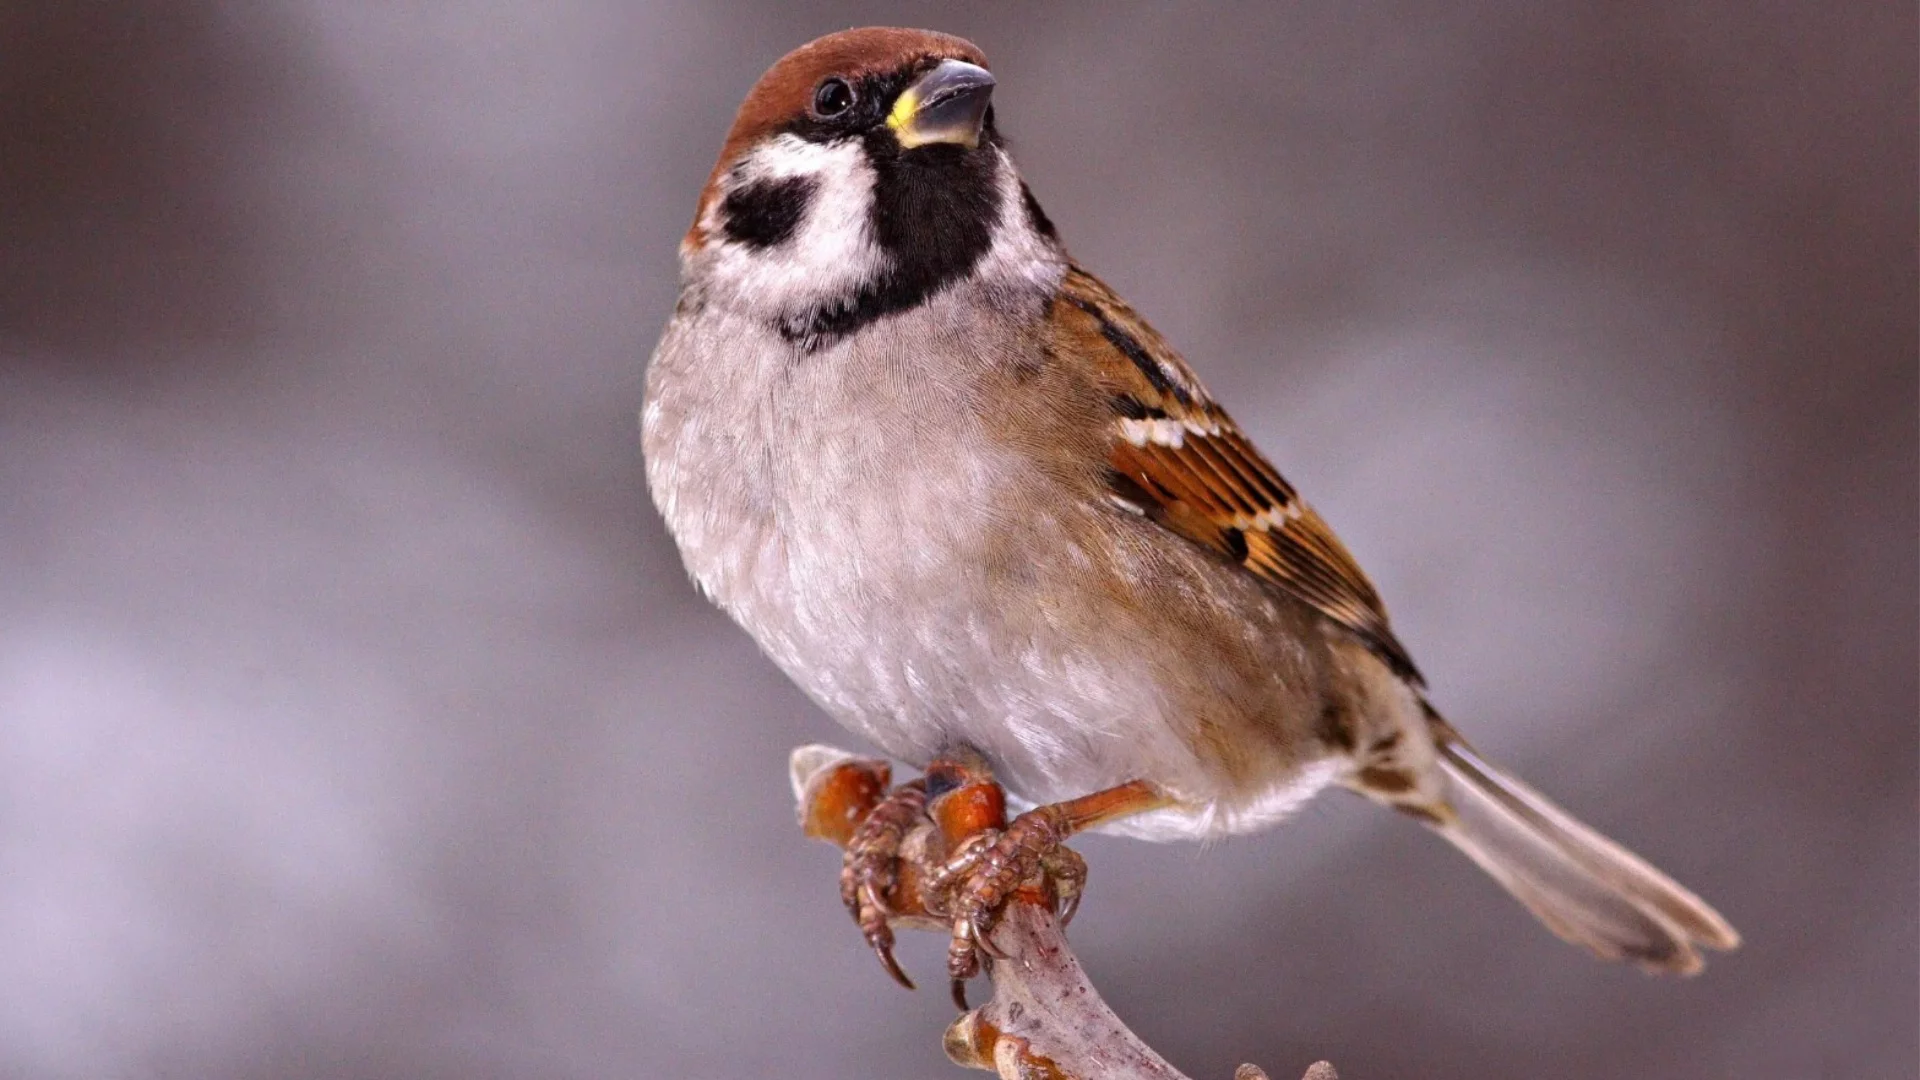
[785, 93]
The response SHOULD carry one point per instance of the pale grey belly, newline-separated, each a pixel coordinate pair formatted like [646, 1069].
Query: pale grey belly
[1065, 689]
[918, 658]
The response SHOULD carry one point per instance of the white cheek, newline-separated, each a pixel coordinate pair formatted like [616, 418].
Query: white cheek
[830, 254]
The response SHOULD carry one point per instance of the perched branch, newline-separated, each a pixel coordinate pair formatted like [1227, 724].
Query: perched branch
[1045, 1020]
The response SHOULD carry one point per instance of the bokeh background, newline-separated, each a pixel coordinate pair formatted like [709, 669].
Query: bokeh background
[356, 719]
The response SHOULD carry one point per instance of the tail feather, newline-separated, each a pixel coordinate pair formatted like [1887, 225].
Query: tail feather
[1583, 886]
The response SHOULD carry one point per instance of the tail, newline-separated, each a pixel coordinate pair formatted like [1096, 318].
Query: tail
[1586, 888]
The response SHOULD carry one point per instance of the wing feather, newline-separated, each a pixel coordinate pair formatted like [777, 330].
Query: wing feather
[1203, 478]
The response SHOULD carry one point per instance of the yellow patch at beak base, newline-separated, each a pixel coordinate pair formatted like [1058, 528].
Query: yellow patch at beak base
[946, 105]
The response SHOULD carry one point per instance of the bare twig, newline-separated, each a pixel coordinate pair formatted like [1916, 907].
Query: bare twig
[1045, 1020]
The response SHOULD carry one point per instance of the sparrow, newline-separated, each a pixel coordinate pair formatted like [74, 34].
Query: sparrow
[972, 503]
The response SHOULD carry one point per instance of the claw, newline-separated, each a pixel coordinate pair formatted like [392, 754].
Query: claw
[1068, 905]
[872, 917]
[971, 940]
[870, 870]
[882, 943]
[1068, 873]
[963, 951]
[984, 940]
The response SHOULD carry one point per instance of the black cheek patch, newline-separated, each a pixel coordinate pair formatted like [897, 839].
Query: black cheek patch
[765, 213]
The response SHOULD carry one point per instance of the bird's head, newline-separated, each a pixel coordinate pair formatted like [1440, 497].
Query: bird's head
[862, 174]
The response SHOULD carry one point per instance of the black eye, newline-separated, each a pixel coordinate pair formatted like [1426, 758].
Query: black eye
[831, 98]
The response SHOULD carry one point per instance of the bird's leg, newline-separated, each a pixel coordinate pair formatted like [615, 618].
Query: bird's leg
[870, 869]
[990, 865]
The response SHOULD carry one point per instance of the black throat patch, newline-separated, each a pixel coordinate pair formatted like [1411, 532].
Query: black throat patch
[934, 212]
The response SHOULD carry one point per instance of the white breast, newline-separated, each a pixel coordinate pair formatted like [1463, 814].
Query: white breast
[839, 506]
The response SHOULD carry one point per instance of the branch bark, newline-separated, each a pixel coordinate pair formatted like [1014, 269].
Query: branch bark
[1045, 1021]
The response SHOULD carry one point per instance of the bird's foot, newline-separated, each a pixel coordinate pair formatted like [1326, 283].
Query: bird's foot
[871, 868]
[941, 848]
[993, 867]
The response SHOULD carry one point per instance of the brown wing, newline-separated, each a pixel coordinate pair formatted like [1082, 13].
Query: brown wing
[1179, 459]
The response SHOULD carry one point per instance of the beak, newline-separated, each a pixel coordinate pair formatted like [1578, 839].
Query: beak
[947, 105]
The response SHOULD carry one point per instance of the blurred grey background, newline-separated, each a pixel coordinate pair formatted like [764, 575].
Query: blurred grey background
[356, 719]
